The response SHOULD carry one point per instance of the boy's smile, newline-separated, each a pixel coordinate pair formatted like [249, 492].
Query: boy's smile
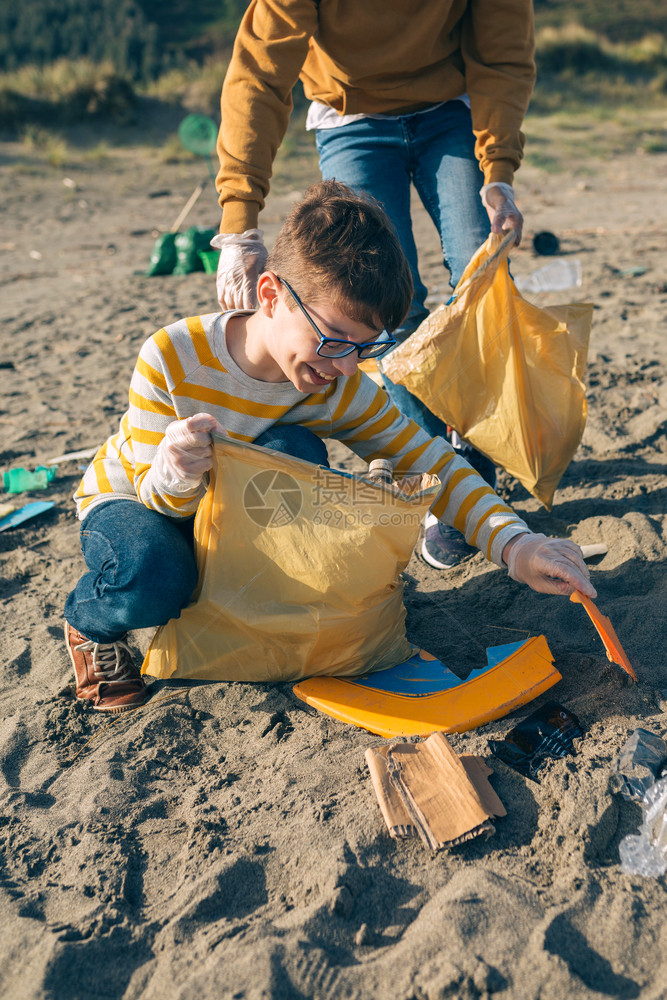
[321, 376]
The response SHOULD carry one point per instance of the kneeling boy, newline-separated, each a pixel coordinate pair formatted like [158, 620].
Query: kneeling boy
[284, 376]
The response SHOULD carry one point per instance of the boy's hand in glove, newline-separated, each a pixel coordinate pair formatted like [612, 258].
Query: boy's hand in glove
[242, 260]
[548, 565]
[186, 451]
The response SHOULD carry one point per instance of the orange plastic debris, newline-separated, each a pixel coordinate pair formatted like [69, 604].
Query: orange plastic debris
[516, 680]
[615, 652]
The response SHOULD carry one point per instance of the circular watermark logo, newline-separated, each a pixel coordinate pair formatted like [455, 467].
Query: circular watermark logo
[272, 499]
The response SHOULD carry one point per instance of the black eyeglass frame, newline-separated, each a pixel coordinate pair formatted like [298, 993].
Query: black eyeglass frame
[382, 345]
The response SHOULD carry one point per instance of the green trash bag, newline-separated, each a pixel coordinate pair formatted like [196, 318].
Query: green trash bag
[163, 255]
[188, 245]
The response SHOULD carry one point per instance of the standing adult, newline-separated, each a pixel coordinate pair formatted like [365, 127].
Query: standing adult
[430, 93]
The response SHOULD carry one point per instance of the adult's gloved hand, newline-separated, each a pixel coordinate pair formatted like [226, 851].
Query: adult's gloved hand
[242, 260]
[548, 565]
[498, 200]
[186, 451]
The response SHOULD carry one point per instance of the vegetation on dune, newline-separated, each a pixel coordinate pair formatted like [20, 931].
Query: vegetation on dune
[145, 38]
[65, 60]
[620, 21]
[141, 38]
[579, 50]
[577, 68]
[195, 87]
[63, 92]
[41, 32]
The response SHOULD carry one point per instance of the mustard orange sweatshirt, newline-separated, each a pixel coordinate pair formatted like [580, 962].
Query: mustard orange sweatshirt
[371, 57]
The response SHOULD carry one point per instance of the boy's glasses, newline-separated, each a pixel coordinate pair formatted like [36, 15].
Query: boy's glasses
[332, 347]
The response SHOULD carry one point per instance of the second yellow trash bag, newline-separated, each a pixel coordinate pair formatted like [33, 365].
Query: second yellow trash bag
[505, 374]
[298, 572]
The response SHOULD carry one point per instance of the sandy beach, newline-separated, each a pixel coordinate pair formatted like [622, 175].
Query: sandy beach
[225, 840]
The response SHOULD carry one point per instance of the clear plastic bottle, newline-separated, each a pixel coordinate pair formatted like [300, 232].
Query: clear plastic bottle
[642, 759]
[645, 853]
[21, 480]
[556, 276]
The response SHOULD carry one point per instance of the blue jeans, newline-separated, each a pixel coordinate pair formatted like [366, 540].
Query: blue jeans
[434, 151]
[141, 564]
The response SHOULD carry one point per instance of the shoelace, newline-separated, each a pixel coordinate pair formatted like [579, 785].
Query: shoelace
[113, 660]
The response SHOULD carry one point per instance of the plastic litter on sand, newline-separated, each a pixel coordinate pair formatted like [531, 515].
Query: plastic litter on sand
[556, 276]
[30, 510]
[645, 853]
[22, 480]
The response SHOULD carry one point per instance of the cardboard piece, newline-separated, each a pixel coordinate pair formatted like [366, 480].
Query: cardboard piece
[391, 805]
[424, 789]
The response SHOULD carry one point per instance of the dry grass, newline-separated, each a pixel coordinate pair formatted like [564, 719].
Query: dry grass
[58, 81]
[196, 88]
[63, 92]
[50, 146]
[578, 69]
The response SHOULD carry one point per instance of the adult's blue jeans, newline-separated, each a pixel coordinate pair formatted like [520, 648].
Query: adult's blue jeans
[433, 150]
[141, 564]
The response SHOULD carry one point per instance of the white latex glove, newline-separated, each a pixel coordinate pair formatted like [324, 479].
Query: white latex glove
[242, 260]
[498, 200]
[185, 452]
[548, 565]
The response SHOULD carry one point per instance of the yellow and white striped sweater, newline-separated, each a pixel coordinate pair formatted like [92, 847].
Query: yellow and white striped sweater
[186, 368]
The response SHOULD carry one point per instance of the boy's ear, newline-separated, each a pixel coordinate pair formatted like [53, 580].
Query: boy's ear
[268, 292]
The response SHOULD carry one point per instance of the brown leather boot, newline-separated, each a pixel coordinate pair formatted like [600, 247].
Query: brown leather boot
[105, 673]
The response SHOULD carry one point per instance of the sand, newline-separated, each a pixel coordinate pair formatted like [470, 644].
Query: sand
[225, 840]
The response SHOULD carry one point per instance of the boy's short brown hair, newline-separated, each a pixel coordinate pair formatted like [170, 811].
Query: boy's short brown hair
[338, 246]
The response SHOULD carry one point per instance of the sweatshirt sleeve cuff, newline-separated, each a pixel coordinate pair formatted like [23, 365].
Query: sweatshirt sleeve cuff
[499, 171]
[503, 537]
[238, 215]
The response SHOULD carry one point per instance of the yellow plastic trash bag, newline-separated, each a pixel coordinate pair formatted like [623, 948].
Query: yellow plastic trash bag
[505, 374]
[298, 572]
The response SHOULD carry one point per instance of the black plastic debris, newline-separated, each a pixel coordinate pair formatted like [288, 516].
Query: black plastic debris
[549, 732]
[546, 244]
